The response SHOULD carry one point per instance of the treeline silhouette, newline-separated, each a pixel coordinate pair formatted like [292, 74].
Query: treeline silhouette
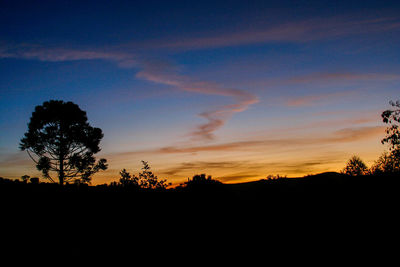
[324, 184]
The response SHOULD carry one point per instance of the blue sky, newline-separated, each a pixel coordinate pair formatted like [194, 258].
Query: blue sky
[237, 89]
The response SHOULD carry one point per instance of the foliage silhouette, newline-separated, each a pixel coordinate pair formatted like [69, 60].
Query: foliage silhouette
[392, 117]
[201, 182]
[146, 179]
[275, 177]
[25, 178]
[127, 180]
[59, 139]
[388, 162]
[355, 167]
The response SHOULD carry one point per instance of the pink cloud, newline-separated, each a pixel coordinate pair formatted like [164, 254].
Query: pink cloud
[164, 73]
[345, 135]
[297, 31]
[158, 72]
[343, 76]
[312, 99]
[59, 54]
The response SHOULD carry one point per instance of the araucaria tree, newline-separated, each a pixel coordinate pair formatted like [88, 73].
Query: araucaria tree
[61, 141]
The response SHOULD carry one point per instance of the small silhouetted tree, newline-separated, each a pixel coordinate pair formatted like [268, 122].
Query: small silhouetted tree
[25, 178]
[392, 117]
[59, 139]
[275, 177]
[128, 180]
[355, 167]
[386, 163]
[148, 180]
[202, 182]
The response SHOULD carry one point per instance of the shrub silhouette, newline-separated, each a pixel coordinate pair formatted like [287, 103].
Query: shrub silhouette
[63, 142]
[275, 177]
[128, 180]
[146, 179]
[355, 167]
[392, 117]
[201, 182]
[388, 162]
[25, 178]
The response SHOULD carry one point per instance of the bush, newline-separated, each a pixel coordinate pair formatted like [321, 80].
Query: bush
[355, 167]
[387, 163]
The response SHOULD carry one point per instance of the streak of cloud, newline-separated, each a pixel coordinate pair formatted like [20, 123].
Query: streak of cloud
[312, 99]
[200, 166]
[342, 77]
[296, 31]
[242, 171]
[60, 54]
[155, 72]
[216, 118]
[341, 136]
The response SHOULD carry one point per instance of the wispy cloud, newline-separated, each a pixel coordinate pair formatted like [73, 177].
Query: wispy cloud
[166, 74]
[235, 171]
[14, 159]
[240, 145]
[242, 171]
[323, 79]
[342, 77]
[60, 54]
[340, 136]
[312, 99]
[201, 166]
[296, 31]
[306, 30]
[356, 133]
[154, 71]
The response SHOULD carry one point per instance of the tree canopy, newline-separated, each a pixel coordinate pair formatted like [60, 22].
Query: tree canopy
[355, 167]
[392, 117]
[145, 180]
[60, 140]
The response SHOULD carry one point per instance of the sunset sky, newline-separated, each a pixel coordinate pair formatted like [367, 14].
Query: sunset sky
[235, 89]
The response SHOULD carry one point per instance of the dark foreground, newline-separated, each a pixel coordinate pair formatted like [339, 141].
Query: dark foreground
[332, 189]
[328, 213]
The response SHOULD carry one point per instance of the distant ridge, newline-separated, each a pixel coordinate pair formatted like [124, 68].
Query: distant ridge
[323, 175]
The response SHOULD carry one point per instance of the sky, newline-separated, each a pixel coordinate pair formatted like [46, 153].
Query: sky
[235, 89]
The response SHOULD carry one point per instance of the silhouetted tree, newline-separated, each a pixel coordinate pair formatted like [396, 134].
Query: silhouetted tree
[386, 163]
[25, 178]
[59, 139]
[392, 117]
[128, 180]
[201, 181]
[355, 166]
[148, 180]
[145, 179]
[275, 177]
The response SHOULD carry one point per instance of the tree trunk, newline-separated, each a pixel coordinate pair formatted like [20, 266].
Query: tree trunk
[61, 171]
[62, 152]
